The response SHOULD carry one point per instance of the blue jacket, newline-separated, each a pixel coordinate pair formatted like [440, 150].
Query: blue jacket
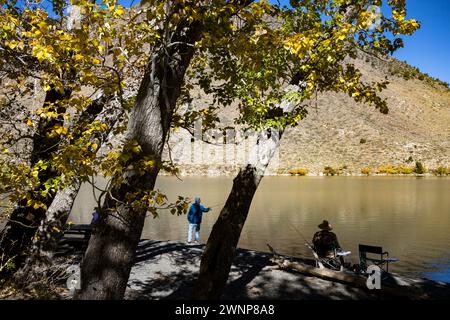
[95, 217]
[196, 212]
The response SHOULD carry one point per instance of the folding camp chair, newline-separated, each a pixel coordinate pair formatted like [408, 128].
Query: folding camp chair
[382, 261]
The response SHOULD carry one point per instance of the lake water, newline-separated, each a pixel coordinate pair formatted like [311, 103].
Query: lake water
[407, 216]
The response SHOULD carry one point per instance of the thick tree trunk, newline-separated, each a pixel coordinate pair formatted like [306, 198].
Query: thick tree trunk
[222, 242]
[107, 263]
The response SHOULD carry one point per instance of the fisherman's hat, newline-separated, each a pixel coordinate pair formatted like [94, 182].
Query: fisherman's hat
[325, 225]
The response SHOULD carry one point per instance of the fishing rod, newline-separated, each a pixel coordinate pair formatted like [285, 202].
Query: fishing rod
[218, 204]
[298, 231]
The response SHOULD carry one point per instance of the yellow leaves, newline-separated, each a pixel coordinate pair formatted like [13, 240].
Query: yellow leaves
[15, 44]
[29, 122]
[61, 130]
[36, 205]
[58, 130]
[94, 146]
[300, 44]
[160, 199]
[305, 67]
[147, 165]
[398, 16]
[78, 57]
[136, 149]
[260, 8]
[101, 49]
[35, 173]
[407, 27]
[56, 229]
[42, 52]
[119, 11]
[42, 25]
[47, 113]
[46, 87]
[414, 23]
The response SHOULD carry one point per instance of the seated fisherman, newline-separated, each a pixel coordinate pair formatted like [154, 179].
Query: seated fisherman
[325, 242]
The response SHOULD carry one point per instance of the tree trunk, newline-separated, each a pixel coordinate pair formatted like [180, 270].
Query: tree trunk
[16, 237]
[222, 242]
[107, 263]
[51, 227]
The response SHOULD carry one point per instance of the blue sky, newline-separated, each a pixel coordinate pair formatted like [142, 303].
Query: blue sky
[428, 48]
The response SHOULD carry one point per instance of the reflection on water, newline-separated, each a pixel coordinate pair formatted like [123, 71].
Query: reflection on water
[407, 216]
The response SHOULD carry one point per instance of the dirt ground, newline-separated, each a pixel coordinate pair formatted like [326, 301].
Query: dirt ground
[168, 270]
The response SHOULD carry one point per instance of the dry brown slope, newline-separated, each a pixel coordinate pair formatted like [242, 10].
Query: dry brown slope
[418, 125]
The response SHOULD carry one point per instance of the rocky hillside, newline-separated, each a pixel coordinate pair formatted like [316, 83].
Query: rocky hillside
[341, 133]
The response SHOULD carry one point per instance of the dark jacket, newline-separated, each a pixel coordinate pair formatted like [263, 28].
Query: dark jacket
[325, 243]
[196, 212]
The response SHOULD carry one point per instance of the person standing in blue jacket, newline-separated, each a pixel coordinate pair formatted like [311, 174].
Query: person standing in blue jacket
[195, 219]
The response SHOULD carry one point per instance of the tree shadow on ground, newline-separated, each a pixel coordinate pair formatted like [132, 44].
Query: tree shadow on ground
[169, 270]
[251, 276]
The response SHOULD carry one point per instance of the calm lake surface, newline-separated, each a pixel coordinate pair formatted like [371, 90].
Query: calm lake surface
[407, 216]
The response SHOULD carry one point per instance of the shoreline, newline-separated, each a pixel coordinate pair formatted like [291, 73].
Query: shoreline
[221, 174]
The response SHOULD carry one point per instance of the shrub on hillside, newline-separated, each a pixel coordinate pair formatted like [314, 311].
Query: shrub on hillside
[441, 171]
[419, 168]
[387, 169]
[329, 171]
[391, 169]
[365, 171]
[404, 169]
[298, 172]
